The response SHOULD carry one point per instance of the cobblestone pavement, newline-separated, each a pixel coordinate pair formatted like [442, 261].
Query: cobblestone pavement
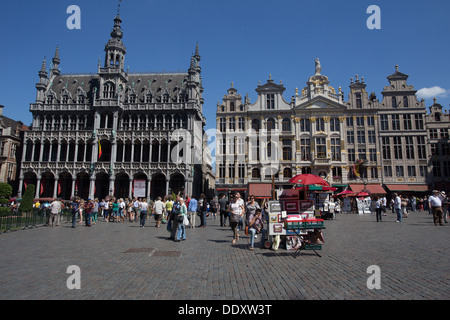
[123, 261]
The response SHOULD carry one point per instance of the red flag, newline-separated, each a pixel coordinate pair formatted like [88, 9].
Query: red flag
[59, 187]
[42, 187]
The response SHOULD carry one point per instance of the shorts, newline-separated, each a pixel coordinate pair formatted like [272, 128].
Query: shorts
[158, 217]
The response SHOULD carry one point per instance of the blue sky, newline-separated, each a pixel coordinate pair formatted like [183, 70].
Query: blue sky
[240, 41]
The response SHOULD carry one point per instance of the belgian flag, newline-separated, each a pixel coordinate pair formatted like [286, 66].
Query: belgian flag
[99, 150]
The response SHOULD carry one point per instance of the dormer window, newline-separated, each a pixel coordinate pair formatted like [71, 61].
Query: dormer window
[80, 99]
[166, 98]
[49, 99]
[108, 90]
[132, 99]
[358, 101]
[270, 101]
[437, 117]
[65, 99]
[148, 98]
[394, 102]
[405, 102]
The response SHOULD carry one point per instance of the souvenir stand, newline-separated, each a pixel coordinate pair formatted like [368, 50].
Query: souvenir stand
[293, 218]
[323, 201]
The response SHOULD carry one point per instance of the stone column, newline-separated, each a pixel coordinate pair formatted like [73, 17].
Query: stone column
[130, 190]
[112, 180]
[92, 187]
[167, 186]
[32, 150]
[38, 187]
[149, 185]
[19, 191]
[74, 180]
[58, 152]
[55, 186]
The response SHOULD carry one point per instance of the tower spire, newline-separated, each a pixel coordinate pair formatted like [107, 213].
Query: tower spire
[115, 49]
[43, 71]
[56, 61]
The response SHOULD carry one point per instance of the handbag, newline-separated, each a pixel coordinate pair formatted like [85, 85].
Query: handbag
[185, 221]
[235, 217]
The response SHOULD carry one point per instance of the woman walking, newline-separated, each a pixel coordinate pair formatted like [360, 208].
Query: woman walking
[144, 211]
[236, 209]
[181, 234]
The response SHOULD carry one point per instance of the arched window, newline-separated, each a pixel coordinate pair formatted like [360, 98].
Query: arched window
[49, 99]
[108, 90]
[394, 102]
[437, 117]
[405, 102]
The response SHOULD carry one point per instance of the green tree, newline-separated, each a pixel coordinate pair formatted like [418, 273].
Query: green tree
[5, 190]
[26, 205]
[5, 193]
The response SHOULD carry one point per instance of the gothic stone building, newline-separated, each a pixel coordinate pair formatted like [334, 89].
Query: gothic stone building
[113, 132]
[317, 132]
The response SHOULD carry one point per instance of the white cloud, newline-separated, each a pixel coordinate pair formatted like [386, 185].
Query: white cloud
[432, 92]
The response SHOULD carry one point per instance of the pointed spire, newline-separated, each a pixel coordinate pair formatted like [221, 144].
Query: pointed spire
[43, 71]
[197, 54]
[56, 61]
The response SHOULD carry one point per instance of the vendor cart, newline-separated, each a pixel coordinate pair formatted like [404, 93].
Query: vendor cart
[293, 218]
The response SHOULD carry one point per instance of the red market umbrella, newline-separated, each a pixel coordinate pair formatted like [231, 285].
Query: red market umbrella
[362, 194]
[346, 193]
[309, 179]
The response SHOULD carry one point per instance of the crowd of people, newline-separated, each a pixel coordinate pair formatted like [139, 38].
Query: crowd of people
[248, 216]
[437, 204]
[174, 211]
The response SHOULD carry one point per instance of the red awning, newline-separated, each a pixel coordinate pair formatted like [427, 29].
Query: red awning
[260, 190]
[398, 187]
[419, 187]
[372, 188]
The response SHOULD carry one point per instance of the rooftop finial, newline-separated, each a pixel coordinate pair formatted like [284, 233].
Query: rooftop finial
[118, 7]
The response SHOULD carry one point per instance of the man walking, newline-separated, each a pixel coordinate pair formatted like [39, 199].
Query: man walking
[398, 207]
[88, 207]
[223, 203]
[158, 210]
[192, 211]
[55, 209]
[435, 204]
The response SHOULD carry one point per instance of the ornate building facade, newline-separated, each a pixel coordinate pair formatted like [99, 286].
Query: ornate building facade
[11, 135]
[115, 132]
[270, 141]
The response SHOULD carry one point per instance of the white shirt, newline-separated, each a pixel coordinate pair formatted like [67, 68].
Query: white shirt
[435, 201]
[397, 203]
[235, 207]
[55, 207]
[144, 206]
[158, 206]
